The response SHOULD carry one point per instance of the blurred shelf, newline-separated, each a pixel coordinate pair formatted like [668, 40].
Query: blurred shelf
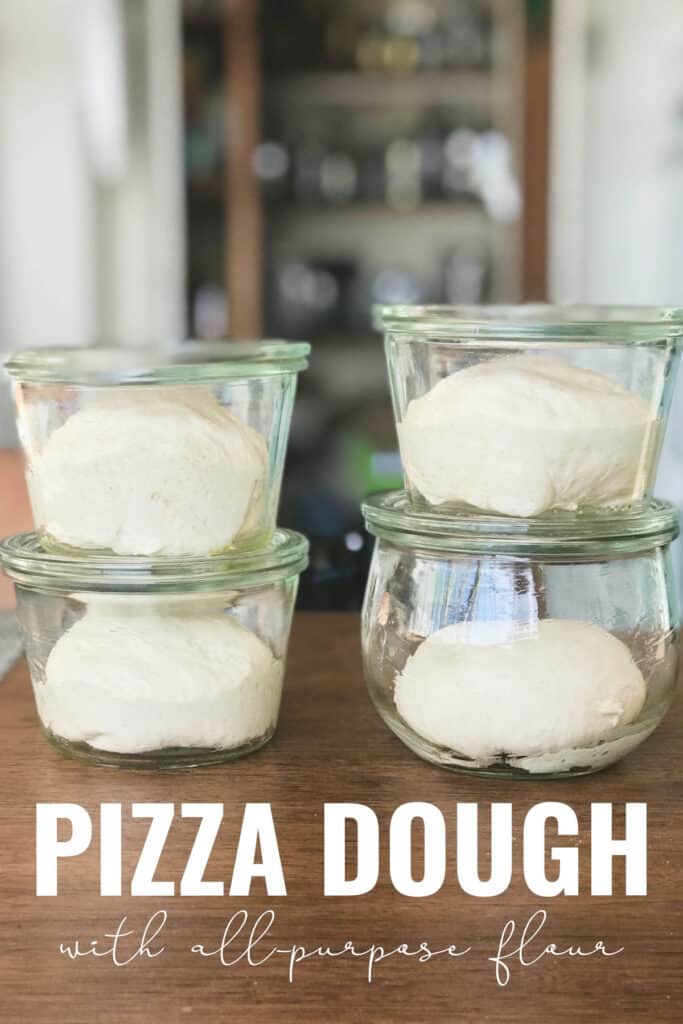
[415, 242]
[208, 14]
[469, 87]
[209, 187]
[364, 209]
[213, 190]
[358, 113]
[211, 13]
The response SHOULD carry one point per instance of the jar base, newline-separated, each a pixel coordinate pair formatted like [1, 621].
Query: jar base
[604, 756]
[560, 515]
[242, 544]
[169, 759]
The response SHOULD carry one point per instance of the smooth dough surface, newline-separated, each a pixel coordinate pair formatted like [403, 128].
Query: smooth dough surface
[521, 435]
[130, 681]
[150, 471]
[487, 689]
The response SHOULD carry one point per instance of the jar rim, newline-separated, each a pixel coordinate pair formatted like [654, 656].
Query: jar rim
[27, 562]
[471, 325]
[645, 524]
[179, 363]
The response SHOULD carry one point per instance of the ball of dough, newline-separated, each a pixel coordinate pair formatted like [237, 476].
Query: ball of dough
[521, 435]
[135, 681]
[486, 689]
[150, 471]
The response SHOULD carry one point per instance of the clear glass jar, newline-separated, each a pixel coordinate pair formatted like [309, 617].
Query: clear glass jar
[156, 452]
[518, 410]
[168, 664]
[520, 647]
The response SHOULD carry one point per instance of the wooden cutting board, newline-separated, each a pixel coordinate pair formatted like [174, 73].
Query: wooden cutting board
[330, 747]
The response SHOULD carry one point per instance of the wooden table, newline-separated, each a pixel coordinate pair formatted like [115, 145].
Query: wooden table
[330, 747]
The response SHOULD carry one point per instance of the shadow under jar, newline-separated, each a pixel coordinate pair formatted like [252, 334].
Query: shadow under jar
[519, 410]
[521, 648]
[160, 452]
[169, 664]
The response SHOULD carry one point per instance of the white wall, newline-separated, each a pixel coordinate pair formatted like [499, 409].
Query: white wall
[617, 152]
[47, 199]
[91, 208]
[142, 222]
[92, 241]
[616, 211]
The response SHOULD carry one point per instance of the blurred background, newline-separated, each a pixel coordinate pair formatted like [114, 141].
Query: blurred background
[233, 168]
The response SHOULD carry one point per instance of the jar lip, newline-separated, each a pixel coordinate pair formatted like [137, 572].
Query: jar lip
[26, 561]
[472, 325]
[178, 363]
[646, 523]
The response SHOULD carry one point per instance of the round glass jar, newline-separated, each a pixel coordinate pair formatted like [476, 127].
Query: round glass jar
[156, 452]
[519, 410]
[169, 664]
[520, 648]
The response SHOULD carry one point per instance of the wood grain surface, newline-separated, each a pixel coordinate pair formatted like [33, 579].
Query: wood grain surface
[330, 746]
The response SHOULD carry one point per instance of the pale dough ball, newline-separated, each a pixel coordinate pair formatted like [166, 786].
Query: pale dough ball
[521, 435]
[150, 471]
[131, 680]
[484, 689]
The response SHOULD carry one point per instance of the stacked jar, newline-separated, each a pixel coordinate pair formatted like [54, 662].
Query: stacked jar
[156, 594]
[520, 618]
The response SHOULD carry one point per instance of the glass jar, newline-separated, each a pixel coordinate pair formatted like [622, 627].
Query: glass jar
[519, 410]
[155, 452]
[166, 664]
[520, 647]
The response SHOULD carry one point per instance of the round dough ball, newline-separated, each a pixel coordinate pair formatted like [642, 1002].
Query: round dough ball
[521, 435]
[152, 471]
[485, 689]
[139, 681]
